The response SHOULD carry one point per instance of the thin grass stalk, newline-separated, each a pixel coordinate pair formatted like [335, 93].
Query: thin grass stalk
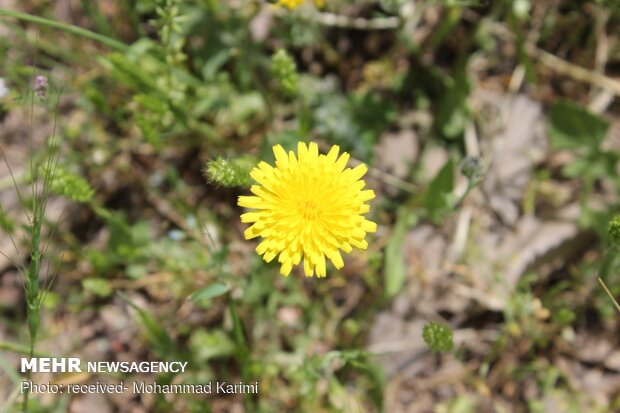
[604, 286]
[69, 28]
[242, 347]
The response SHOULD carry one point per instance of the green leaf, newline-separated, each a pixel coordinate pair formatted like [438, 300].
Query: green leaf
[151, 103]
[216, 63]
[209, 345]
[452, 113]
[579, 167]
[210, 292]
[564, 316]
[129, 72]
[394, 259]
[6, 223]
[573, 127]
[98, 286]
[155, 333]
[438, 195]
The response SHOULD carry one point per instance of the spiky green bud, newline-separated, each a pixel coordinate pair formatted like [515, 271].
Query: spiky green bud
[285, 71]
[438, 337]
[71, 186]
[473, 168]
[230, 172]
[614, 230]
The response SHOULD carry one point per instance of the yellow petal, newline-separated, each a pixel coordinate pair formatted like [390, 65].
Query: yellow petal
[342, 161]
[358, 172]
[286, 267]
[336, 258]
[367, 195]
[281, 157]
[332, 155]
[320, 266]
[313, 151]
[250, 202]
[302, 151]
[251, 217]
[251, 232]
[269, 256]
[262, 247]
[308, 268]
[369, 226]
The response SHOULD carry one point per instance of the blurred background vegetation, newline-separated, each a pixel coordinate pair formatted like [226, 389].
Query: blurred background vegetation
[492, 134]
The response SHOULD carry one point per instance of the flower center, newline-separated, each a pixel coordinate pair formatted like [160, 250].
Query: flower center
[309, 210]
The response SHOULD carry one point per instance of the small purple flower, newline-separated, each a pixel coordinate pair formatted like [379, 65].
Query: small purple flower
[40, 86]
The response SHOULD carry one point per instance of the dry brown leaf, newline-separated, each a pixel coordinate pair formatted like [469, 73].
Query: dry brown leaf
[513, 152]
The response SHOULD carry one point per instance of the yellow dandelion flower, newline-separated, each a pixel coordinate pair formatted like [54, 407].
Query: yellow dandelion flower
[290, 4]
[293, 4]
[308, 207]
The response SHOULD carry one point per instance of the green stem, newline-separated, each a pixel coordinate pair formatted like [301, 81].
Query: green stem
[69, 28]
[32, 288]
[79, 31]
[242, 348]
[470, 185]
[19, 349]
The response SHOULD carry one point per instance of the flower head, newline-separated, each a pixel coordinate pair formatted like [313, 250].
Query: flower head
[40, 86]
[285, 71]
[438, 337]
[293, 4]
[308, 206]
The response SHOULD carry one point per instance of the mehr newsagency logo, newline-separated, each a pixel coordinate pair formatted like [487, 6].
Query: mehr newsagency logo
[74, 365]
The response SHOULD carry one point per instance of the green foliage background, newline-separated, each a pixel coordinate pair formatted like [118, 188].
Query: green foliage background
[164, 107]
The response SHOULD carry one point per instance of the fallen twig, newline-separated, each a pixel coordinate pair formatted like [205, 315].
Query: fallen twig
[609, 293]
